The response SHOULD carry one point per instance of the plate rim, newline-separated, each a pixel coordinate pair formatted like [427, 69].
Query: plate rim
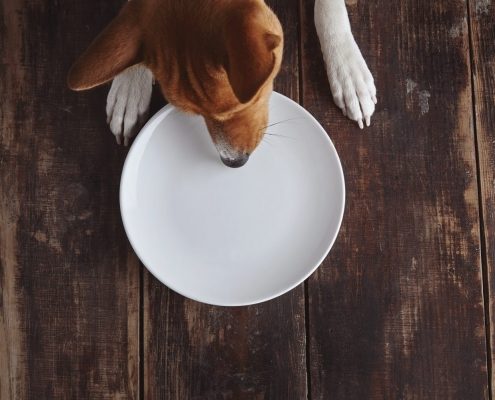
[140, 136]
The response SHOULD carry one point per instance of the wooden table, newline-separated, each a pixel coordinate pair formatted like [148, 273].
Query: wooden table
[402, 308]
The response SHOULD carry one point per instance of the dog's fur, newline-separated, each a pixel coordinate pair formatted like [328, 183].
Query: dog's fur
[216, 58]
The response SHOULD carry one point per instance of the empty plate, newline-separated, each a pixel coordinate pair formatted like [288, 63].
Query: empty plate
[228, 236]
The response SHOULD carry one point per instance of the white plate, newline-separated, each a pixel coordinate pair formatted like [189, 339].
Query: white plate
[228, 236]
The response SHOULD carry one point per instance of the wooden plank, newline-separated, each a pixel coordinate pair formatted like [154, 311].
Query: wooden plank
[396, 311]
[69, 282]
[482, 16]
[196, 351]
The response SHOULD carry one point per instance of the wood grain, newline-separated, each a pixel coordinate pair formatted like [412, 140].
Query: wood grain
[396, 311]
[68, 279]
[482, 17]
[196, 351]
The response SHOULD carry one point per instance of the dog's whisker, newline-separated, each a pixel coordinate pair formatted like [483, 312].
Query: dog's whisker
[279, 122]
[266, 141]
[277, 134]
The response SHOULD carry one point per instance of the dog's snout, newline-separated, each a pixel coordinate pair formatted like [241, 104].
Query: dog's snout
[235, 162]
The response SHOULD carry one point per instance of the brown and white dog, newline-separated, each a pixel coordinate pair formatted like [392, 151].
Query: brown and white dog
[216, 58]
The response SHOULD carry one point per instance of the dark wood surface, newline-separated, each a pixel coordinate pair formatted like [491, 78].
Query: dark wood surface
[482, 24]
[69, 281]
[396, 311]
[401, 309]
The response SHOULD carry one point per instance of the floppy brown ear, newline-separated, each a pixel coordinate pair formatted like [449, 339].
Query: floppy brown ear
[250, 51]
[115, 49]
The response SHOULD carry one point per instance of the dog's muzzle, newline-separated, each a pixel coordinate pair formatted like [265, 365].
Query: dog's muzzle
[235, 162]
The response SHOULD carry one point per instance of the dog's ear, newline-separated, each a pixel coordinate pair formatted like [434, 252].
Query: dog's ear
[119, 46]
[250, 48]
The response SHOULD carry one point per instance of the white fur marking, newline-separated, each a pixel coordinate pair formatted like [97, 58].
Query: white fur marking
[225, 150]
[351, 82]
[128, 102]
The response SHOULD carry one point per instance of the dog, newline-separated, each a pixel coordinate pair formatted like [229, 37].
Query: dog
[218, 59]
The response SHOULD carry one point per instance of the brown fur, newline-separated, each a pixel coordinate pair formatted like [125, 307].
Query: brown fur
[216, 58]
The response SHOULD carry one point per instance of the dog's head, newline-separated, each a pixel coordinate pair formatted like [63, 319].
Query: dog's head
[219, 62]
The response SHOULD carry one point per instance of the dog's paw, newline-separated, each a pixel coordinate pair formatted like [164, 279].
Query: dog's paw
[351, 82]
[128, 102]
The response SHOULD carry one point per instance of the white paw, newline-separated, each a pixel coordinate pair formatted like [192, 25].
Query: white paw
[351, 82]
[128, 102]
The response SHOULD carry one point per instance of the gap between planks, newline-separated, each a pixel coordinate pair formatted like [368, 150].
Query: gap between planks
[485, 289]
[300, 77]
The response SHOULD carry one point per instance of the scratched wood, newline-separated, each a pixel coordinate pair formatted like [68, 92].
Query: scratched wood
[196, 351]
[482, 17]
[396, 311]
[69, 282]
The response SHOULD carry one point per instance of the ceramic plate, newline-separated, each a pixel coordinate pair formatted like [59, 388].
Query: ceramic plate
[228, 236]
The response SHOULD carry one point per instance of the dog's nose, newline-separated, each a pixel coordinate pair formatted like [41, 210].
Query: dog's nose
[235, 162]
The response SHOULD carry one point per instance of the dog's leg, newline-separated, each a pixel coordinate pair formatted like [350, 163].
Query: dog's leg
[128, 102]
[350, 79]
